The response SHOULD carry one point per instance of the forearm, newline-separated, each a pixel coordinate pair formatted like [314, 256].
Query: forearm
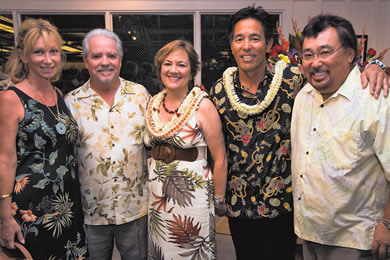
[6, 188]
[5, 209]
[210, 123]
[386, 213]
[220, 177]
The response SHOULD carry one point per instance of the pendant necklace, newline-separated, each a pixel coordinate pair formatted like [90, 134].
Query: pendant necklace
[60, 127]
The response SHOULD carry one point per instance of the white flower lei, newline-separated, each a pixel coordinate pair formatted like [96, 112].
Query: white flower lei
[271, 93]
[186, 109]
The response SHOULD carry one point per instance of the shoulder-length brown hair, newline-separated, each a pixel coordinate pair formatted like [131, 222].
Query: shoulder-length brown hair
[167, 49]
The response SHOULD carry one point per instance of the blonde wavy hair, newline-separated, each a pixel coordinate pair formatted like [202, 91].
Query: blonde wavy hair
[29, 32]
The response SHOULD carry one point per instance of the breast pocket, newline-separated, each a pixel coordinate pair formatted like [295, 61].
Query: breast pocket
[340, 150]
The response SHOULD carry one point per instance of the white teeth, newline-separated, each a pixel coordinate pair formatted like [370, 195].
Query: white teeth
[319, 73]
[106, 73]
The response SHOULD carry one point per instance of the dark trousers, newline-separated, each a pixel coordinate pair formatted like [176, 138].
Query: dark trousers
[264, 239]
[130, 239]
[315, 251]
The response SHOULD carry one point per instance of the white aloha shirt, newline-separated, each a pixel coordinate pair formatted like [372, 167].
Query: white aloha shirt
[111, 153]
[340, 164]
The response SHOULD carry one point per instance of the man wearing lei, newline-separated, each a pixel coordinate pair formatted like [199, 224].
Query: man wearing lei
[255, 103]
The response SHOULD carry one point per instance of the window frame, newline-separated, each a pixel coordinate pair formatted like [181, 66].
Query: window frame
[152, 8]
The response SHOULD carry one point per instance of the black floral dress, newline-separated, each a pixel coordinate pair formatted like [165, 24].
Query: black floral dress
[46, 199]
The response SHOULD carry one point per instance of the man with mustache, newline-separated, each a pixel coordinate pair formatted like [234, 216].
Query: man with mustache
[110, 113]
[340, 151]
[255, 102]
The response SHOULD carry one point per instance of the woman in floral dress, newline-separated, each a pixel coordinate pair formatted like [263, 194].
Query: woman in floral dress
[181, 123]
[40, 202]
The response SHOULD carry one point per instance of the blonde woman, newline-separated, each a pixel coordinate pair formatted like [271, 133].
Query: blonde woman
[40, 203]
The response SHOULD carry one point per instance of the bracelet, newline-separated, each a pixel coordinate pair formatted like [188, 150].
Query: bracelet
[386, 223]
[4, 196]
[377, 62]
[219, 201]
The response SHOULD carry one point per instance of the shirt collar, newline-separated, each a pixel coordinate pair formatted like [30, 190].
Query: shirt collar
[125, 87]
[267, 77]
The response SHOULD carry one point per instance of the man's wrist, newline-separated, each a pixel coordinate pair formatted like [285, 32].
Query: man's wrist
[219, 200]
[386, 223]
[377, 62]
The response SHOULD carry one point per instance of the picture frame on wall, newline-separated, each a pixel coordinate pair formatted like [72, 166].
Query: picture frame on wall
[365, 44]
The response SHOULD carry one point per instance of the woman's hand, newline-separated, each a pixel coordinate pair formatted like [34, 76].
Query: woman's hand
[8, 230]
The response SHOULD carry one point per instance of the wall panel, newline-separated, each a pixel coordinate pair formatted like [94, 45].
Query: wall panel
[374, 14]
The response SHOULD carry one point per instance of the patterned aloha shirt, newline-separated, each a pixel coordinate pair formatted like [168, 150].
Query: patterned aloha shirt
[259, 163]
[111, 153]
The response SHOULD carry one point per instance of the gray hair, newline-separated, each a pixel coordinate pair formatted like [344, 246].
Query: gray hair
[104, 32]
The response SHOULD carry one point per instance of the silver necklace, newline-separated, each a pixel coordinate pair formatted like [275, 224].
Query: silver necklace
[60, 127]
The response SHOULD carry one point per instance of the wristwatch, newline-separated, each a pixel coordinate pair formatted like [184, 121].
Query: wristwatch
[386, 223]
[220, 206]
[377, 62]
[219, 201]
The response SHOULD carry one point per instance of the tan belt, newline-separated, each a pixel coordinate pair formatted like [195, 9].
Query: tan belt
[168, 153]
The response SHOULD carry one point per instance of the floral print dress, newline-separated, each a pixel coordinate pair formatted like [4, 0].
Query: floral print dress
[181, 207]
[46, 201]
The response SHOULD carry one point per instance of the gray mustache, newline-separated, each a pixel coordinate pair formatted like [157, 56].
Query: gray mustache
[106, 68]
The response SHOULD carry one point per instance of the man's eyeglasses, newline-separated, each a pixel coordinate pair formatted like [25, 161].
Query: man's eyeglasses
[323, 54]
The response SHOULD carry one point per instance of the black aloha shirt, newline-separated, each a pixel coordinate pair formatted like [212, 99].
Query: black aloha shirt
[259, 163]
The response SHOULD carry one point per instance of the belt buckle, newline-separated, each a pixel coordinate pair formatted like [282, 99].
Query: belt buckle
[167, 153]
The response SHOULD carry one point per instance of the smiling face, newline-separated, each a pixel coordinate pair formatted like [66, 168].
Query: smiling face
[249, 46]
[103, 61]
[176, 70]
[327, 74]
[44, 60]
